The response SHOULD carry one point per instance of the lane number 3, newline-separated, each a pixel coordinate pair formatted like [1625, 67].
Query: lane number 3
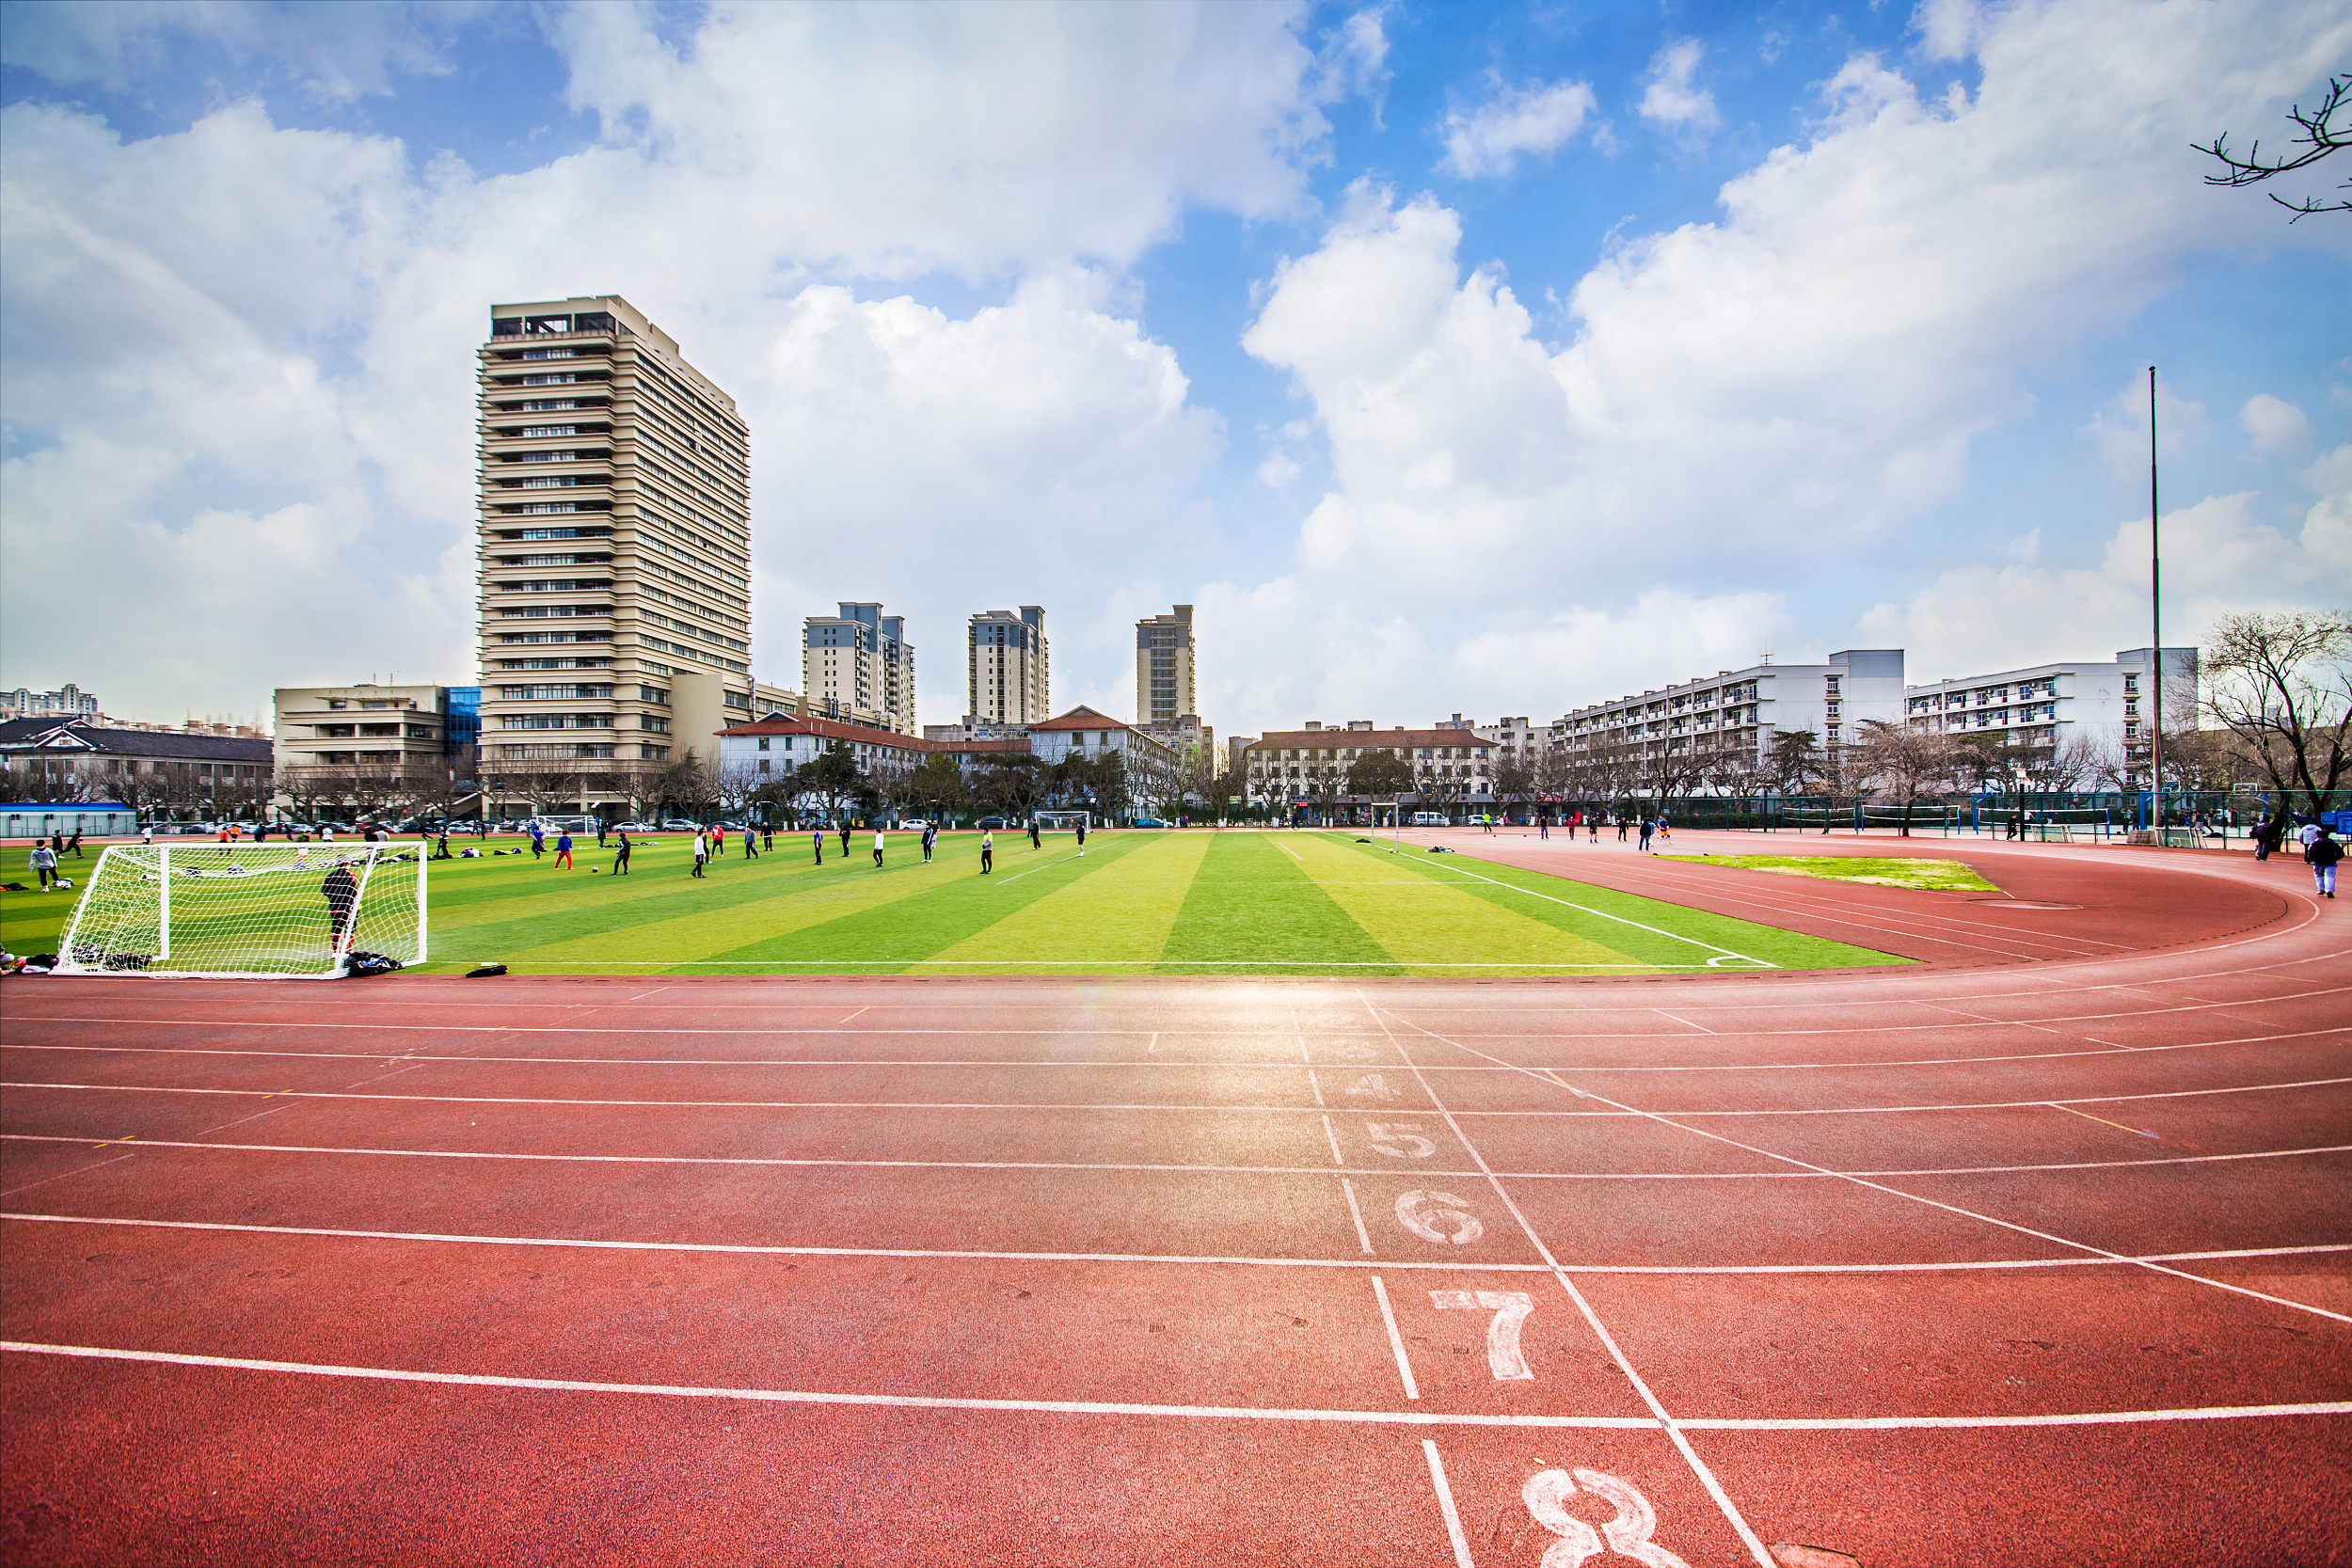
[1400, 1140]
[1629, 1534]
[1510, 1309]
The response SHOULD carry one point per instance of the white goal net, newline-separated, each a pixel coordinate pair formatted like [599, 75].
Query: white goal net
[231, 910]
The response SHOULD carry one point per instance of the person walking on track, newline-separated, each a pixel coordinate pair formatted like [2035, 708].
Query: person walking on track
[564, 849]
[702, 853]
[2323, 852]
[1647, 828]
[988, 851]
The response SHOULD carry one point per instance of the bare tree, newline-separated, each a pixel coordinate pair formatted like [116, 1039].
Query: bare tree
[2321, 134]
[2282, 685]
[1381, 772]
[1903, 763]
[1514, 782]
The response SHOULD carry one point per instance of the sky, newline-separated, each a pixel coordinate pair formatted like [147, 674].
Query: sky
[1448, 358]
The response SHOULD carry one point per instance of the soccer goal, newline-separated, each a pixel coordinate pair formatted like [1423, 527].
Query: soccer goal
[298, 911]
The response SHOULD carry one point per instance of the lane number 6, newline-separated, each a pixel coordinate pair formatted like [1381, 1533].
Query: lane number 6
[1423, 1213]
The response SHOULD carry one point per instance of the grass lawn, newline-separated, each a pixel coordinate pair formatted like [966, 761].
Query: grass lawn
[1139, 902]
[1934, 876]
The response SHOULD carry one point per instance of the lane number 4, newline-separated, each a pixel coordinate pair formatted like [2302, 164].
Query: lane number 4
[1629, 1534]
[1510, 1309]
[1400, 1140]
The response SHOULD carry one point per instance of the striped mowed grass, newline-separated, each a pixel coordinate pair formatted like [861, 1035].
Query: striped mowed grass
[1233, 903]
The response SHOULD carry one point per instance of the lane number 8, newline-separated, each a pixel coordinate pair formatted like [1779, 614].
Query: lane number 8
[1629, 1534]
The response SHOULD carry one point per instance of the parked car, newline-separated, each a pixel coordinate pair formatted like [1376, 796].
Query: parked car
[995, 824]
[680, 825]
[1148, 822]
[635, 828]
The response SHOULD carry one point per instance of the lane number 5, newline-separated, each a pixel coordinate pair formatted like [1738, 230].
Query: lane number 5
[1387, 1135]
[1629, 1534]
[1510, 1309]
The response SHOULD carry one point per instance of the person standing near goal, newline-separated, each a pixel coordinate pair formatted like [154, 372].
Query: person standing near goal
[45, 863]
[342, 891]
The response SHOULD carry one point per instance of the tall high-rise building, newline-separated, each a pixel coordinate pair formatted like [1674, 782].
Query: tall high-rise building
[1008, 672]
[1164, 667]
[859, 662]
[615, 541]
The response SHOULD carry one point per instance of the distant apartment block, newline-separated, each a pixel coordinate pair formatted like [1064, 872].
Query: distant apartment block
[615, 539]
[1164, 684]
[68, 701]
[361, 726]
[1009, 676]
[2103, 702]
[1288, 769]
[1739, 711]
[859, 662]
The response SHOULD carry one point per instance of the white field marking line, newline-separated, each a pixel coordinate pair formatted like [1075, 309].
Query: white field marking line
[1661, 1118]
[1176, 1259]
[412, 1055]
[1209, 1412]
[1291, 853]
[1686, 1023]
[1341, 1167]
[1615, 1108]
[865, 1009]
[129, 1152]
[1035, 869]
[1570, 903]
[1315, 1085]
[1396, 1341]
[1445, 1506]
[1625, 1363]
[1980, 1018]
[1363, 1237]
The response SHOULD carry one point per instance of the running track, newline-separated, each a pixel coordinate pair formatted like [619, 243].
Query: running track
[2033, 1253]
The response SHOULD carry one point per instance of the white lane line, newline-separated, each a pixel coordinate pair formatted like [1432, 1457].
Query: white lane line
[1363, 1237]
[1570, 903]
[1686, 1023]
[1625, 1363]
[1661, 1118]
[865, 1009]
[1614, 1107]
[788, 1162]
[1313, 1084]
[1445, 1505]
[976, 1255]
[1210, 1412]
[1014, 878]
[971, 1064]
[1396, 1341]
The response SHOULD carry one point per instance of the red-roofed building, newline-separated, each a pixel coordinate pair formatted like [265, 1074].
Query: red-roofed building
[1284, 767]
[1085, 732]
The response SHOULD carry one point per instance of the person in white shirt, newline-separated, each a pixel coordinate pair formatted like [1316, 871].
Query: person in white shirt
[878, 846]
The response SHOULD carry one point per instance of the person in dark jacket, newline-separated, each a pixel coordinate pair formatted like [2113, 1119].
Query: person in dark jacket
[2323, 852]
[343, 890]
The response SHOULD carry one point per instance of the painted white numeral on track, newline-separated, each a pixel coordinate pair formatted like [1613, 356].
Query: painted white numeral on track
[1510, 1309]
[1384, 1134]
[1423, 1212]
[1372, 1086]
[1629, 1534]
[1354, 1052]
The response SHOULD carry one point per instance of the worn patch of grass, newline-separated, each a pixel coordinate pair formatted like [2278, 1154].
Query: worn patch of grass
[1932, 875]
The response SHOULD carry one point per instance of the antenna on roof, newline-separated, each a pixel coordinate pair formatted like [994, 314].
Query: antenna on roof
[1764, 657]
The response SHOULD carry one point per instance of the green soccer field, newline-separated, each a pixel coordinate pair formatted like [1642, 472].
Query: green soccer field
[1231, 903]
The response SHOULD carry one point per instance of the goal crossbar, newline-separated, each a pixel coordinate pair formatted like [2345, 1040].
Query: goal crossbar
[246, 910]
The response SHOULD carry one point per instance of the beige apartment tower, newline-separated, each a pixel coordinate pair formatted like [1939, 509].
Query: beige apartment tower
[615, 541]
[1164, 667]
[1007, 676]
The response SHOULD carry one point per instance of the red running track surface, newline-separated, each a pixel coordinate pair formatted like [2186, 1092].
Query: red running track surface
[2034, 1252]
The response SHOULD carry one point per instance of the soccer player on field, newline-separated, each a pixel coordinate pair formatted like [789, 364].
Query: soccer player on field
[620, 860]
[988, 851]
[702, 853]
[818, 838]
[878, 849]
[750, 845]
[564, 849]
[343, 890]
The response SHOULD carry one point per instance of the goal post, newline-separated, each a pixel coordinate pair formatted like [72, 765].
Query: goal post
[246, 910]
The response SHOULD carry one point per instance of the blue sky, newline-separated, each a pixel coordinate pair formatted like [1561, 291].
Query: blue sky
[1450, 358]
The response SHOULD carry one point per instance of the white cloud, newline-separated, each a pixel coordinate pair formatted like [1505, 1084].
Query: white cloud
[2275, 424]
[1536, 119]
[2120, 431]
[1948, 29]
[1277, 472]
[2219, 560]
[336, 53]
[1672, 98]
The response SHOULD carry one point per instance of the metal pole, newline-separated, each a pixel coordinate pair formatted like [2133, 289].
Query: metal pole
[2155, 617]
[163, 871]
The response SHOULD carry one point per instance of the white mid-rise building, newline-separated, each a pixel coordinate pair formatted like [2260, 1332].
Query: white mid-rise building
[1009, 676]
[1739, 711]
[2108, 703]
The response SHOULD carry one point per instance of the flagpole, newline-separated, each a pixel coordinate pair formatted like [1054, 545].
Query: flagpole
[2155, 616]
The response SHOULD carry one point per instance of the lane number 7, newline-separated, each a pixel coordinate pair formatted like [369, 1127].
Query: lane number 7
[1385, 1134]
[1510, 1309]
